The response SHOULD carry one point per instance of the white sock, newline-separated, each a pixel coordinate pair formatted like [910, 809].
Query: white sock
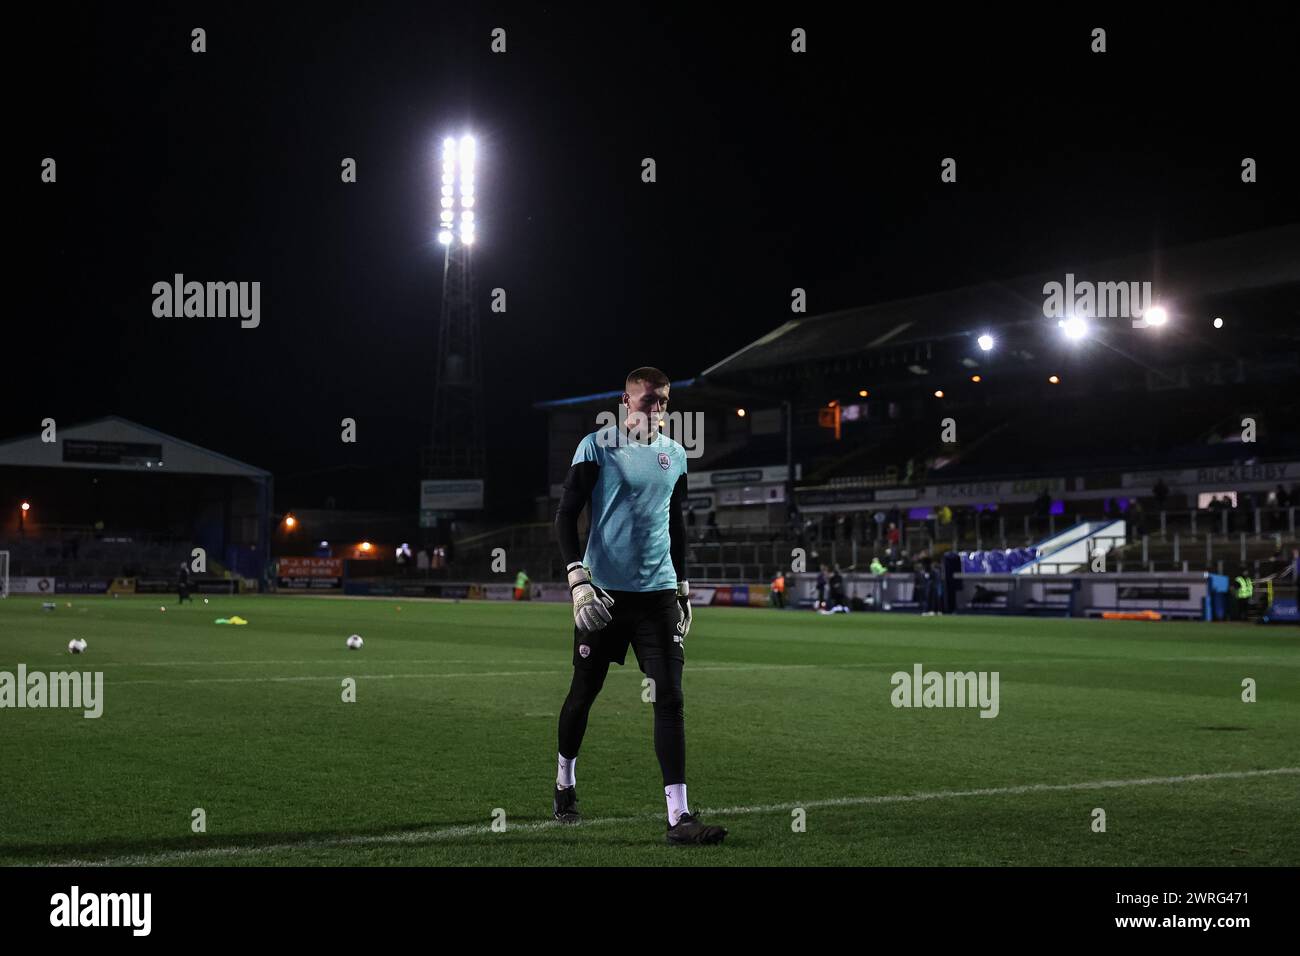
[676, 795]
[564, 778]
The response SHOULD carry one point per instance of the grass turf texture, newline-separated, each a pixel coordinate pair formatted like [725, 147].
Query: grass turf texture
[456, 710]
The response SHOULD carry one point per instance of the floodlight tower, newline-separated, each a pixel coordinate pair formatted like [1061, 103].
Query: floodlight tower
[458, 428]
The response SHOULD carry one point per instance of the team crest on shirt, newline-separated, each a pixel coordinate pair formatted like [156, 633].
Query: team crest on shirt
[663, 460]
[584, 650]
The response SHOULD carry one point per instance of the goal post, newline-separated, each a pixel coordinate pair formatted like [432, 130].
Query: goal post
[4, 574]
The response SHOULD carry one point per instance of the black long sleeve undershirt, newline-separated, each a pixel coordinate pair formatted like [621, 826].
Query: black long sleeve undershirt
[578, 484]
[677, 529]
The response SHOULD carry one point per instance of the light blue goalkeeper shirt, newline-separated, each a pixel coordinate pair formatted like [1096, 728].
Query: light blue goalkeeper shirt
[628, 545]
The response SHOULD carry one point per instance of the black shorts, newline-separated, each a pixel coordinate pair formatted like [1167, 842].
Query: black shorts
[647, 620]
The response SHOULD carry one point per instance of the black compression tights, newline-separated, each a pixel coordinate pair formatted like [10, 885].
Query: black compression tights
[670, 720]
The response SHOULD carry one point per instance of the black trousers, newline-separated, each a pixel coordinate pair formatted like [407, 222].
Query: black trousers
[646, 621]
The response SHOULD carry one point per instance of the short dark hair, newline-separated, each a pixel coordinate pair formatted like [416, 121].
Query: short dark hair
[648, 374]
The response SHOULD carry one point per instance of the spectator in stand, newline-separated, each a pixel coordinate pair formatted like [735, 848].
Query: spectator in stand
[712, 530]
[893, 536]
[422, 561]
[1042, 505]
[876, 566]
[1160, 491]
[1249, 506]
[690, 522]
[1134, 518]
[821, 587]
[521, 586]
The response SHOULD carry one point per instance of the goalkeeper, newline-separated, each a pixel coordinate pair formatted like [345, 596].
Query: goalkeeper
[632, 589]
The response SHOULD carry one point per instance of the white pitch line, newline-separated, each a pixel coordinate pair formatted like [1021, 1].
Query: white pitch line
[321, 660]
[692, 669]
[327, 677]
[332, 677]
[451, 833]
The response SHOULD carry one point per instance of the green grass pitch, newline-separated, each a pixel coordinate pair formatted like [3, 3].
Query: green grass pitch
[455, 719]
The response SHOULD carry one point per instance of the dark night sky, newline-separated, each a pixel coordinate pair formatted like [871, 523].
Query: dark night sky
[775, 171]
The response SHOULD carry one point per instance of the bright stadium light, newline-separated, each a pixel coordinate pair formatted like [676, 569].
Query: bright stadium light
[986, 342]
[457, 192]
[938, 393]
[26, 506]
[1075, 328]
[1156, 316]
[1054, 379]
[740, 413]
[1218, 322]
[290, 521]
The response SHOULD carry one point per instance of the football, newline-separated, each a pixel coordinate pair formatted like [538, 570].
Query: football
[354, 642]
[76, 646]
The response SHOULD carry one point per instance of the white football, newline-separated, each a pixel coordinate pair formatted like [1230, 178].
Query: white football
[76, 646]
[355, 642]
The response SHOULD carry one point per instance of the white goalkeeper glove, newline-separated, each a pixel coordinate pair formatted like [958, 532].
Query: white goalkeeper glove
[591, 604]
[684, 607]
